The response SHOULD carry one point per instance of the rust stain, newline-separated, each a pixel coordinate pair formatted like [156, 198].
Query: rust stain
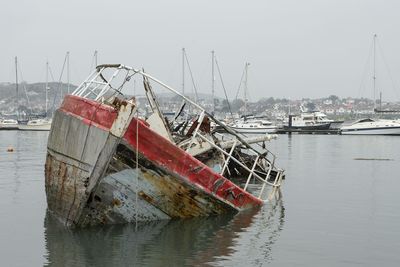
[170, 194]
[62, 172]
[146, 197]
[64, 185]
[197, 169]
[217, 184]
[230, 194]
[180, 201]
[116, 202]
[47, 173]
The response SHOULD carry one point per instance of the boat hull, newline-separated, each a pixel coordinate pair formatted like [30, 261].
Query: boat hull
[245, 130]
[8, 127]
[43, 127]
[372, 131]
[324, 126]
[145, 177]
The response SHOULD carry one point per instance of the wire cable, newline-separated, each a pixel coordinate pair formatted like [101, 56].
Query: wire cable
[394, 86]
[191, 76]
[223, 86]
[240, 84]
[59, 82]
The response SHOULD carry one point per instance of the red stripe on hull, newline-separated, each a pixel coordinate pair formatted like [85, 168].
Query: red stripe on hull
[91, 112]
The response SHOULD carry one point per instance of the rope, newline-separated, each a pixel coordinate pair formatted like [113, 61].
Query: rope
[59, 82]
[94, 61]
[137, 167]
[26, 93]
[223, 86]
[394, 87]
[51, 74]
[240, 84]
[361, 88]
[191, 76]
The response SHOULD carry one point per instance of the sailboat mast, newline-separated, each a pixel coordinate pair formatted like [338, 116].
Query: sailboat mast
[95, 58]
[183, 71]
[212, 81]
[374, 77]
[16, 82]
[68, 72]
[47, 86]
[245, 87]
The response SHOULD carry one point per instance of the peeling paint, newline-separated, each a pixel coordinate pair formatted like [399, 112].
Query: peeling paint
[169, 183]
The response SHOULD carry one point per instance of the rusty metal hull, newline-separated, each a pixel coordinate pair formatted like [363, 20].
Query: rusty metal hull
[146, 177]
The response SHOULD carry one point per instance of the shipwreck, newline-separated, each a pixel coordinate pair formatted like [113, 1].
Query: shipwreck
[108, 164]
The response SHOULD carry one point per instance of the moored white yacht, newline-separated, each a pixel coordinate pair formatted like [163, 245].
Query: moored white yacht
[36, 125]
[42, 124]
[253, 126]
[8, 124]
[372, 127]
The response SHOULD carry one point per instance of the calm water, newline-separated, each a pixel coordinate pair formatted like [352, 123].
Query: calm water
[335, 211]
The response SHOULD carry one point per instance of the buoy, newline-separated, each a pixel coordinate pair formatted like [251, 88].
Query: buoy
[10, 149]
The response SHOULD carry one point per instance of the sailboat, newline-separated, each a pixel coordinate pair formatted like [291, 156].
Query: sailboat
[42, 124]
[370, 126]
[249, 124]
[8, 124]
[12, 124]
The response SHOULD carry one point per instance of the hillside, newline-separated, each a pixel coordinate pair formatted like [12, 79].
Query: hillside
[36, 94]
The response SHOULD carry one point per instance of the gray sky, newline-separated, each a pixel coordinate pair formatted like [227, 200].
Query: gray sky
[296, 48]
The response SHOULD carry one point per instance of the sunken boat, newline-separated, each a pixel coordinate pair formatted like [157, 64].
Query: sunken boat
[107, 163]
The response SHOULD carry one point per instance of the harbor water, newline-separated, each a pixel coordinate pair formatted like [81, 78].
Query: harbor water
[340, 206]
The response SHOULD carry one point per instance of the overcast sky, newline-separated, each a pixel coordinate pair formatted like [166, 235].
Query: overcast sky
[296, 48]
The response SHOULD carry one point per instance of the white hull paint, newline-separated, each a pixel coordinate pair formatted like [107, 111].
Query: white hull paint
[8, 124]
[43, 127]
[36, 125]
[377, 131]
[9, 127]
[372, 127]
[258, 130]
[252, 125]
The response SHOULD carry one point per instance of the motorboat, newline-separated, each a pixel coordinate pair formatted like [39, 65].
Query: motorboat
[250, 124]
[36, 125]
[370, 126]
[8, 124]
[309, 120]
[253, 126]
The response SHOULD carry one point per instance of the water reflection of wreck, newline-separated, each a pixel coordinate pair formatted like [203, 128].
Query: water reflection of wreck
[192, 242]
[105, 165]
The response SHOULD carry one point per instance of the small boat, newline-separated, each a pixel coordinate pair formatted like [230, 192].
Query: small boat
[249, 124]
[106, 165]
[253, 125]
[308, 120]
[40, 124]
[8, 124]
[36, 125]
[11, 124]
[370, 126]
